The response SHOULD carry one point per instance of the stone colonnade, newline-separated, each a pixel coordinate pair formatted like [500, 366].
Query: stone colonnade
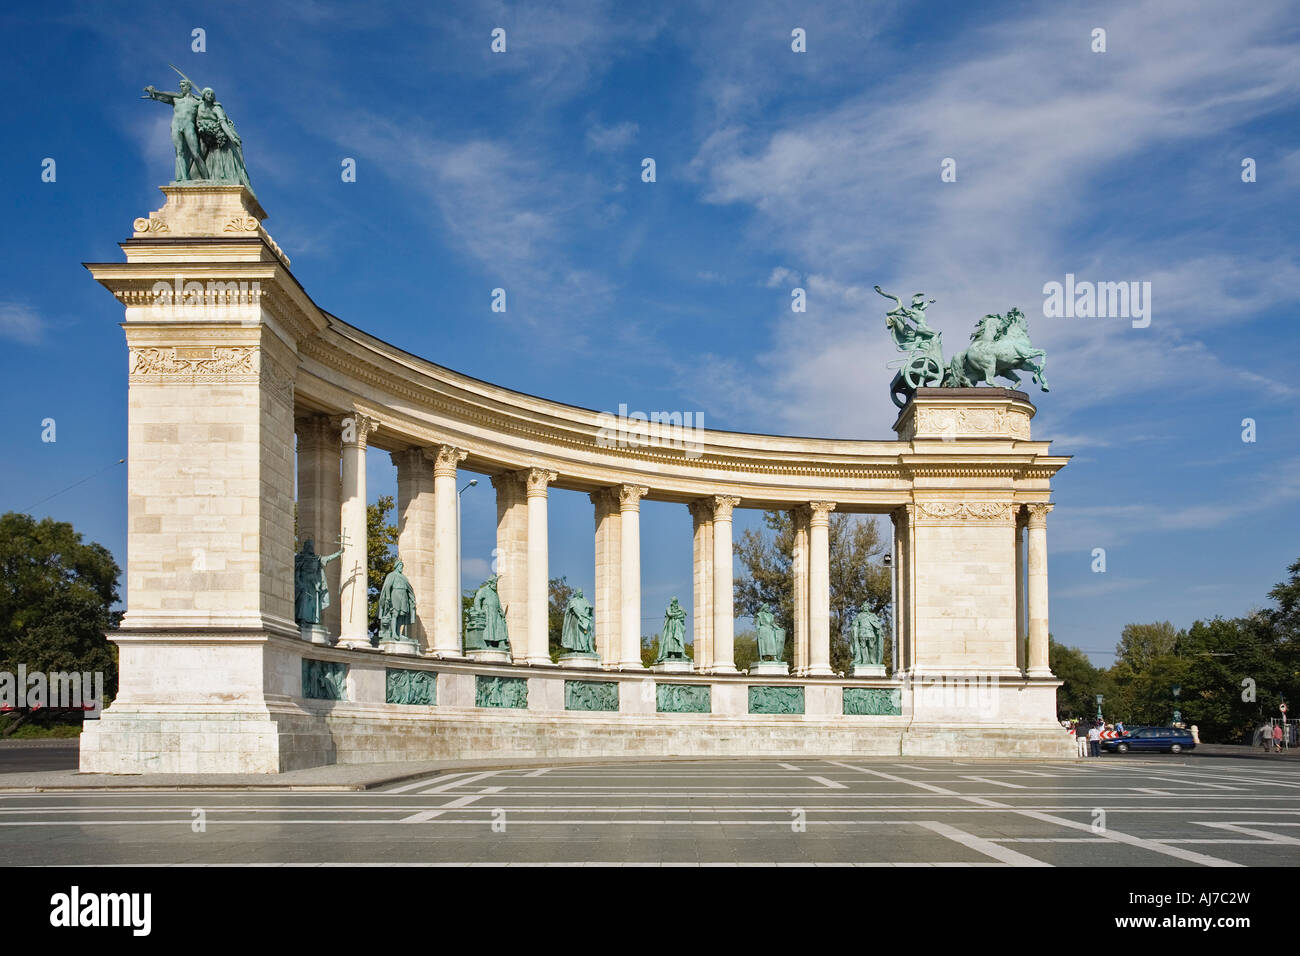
[332, 492]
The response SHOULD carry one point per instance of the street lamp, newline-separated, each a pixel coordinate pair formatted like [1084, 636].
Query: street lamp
[1178, 714]
[1100, 698]
[460, 613]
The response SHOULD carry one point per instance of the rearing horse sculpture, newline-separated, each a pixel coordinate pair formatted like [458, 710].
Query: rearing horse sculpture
[999, 347]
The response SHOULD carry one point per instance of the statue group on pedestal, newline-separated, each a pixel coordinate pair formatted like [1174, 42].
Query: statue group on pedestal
[999, 347]
[207, 147]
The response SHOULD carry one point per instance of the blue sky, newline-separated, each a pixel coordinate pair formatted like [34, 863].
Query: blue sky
[774, 169]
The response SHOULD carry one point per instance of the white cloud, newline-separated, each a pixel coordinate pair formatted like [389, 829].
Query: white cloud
[20, 323]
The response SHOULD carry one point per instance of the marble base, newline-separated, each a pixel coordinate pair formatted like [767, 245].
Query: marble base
[408, 648]
[488, 655]
[589, 661]
[868, 670]
[769, 667]
[314, 633]
[673, 667]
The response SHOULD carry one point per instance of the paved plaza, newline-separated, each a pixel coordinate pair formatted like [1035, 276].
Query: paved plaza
[1110, 811]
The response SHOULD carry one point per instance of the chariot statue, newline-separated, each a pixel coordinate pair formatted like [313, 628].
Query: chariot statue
[999, 348]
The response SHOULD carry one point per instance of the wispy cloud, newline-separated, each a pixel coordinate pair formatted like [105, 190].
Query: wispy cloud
[20, 323]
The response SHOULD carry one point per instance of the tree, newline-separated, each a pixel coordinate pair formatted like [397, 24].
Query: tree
[381, 555]
[1081, 681]
[1139, 644]
[56, 603]
[857, 576]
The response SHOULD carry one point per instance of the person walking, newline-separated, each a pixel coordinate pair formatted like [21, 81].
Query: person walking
[1277, 738]
[1094, 741]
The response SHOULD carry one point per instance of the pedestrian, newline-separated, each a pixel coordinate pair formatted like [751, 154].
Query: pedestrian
[1119, 726]
[1094, 741]
[1277, 738]
[1081, 737]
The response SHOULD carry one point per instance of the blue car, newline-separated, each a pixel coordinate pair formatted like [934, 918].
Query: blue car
[1171, 739]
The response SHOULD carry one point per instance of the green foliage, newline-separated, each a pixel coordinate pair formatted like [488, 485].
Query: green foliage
[745, 650]
[1231, 674]
[381, 555]
[56, 600]
[558, 593]
[857, 575]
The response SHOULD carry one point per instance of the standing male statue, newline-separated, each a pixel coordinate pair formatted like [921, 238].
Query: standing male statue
[579, 633]
[311, 593]
[867, 638]
[396, 607]
[185, 134]
[771, 639]
[672, 639]
[488, 619]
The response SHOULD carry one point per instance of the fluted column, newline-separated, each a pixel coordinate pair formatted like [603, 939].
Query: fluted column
[354, 627]
[536, 480]
[416, 521]
[702, 579]
[819, 588]
[629, 512]
[320, 499]
[1036, 649]
[446, 589]
[609, 556]
[724, 618]
[799, 582]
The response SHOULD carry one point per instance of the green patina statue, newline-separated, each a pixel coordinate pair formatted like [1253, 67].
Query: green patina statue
[487, 621]
[311, 593]
[999, 347]
[867, 637]
[672, 639]
[771, 639]
[208, 150]
[579, 633]
[396, 607]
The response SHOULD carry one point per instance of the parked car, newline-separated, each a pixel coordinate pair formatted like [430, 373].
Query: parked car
[1171, 739]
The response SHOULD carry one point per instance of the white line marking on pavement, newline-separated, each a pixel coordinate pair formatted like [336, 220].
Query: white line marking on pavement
[979, 845]
[893, 779]
[998, 783]
[421, 782]
[786, 766]
[829, 783]
[458, 783]
[1153, 792]
[1251, 831]
[537, 773]
[426, 815]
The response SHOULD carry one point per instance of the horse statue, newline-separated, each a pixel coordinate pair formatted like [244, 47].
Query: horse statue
[923, 345]
[999, 347]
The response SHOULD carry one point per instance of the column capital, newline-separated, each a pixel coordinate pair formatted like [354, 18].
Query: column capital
[701, 510]
[354, 427]
[445, 459]
[535, 481]
[819, 512]
[316, 430]
[407, 457]
[1037, 514]
[723, 505]
[629, 496]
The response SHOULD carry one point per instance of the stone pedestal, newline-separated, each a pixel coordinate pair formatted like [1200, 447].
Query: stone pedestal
[408, 648]
[673, 667]
[768, 668]
[868, 670]
[315, 634]
[588, 660]
[488, 655]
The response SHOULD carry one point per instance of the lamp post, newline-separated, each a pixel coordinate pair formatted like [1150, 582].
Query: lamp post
[893, 620]
[1178, 714]
[1100, 698]
[460, 612]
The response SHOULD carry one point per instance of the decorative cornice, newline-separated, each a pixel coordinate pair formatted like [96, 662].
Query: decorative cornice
[194, 361]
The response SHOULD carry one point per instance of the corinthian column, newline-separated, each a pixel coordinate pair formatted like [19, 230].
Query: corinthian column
[536, 480]
[446, 589]
[819, 588]
[629, 511]
[799, 575]
[416, 519]
[609, 556]
[1036, 650]
[354, 628]
[724, 615]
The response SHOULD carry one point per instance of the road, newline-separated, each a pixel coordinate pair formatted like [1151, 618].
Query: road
[1127, 811]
